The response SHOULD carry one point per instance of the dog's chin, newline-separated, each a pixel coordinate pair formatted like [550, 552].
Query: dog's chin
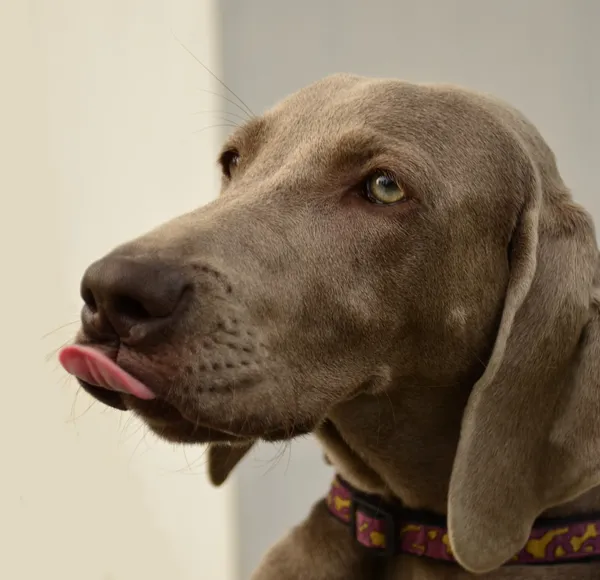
[181, 430]
[188, 433]
[169, 424]
[162, 418]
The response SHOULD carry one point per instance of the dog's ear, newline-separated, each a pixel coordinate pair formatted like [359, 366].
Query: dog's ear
[530, 436]
[223, 458]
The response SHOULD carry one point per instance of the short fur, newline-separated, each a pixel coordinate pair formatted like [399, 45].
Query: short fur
[444, 350]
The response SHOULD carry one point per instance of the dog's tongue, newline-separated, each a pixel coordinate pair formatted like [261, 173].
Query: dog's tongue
[95, 368]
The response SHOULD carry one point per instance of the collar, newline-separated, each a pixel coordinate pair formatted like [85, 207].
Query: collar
[389, 530]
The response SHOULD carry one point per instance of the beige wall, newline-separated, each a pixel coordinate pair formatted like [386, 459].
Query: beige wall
[97, 144]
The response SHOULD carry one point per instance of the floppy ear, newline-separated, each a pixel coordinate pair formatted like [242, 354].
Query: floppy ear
[223, 458]
[530, 435]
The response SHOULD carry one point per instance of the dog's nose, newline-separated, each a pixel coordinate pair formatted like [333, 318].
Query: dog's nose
[133, 298]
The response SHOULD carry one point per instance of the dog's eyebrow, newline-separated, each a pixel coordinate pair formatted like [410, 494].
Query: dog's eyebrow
[356, 148]
[362, 148]
[247, 135]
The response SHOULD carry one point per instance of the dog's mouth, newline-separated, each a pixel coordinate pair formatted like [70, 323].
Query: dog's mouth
[112, 385]
[108, 382]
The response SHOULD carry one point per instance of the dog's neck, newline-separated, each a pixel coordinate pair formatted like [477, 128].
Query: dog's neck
[402, 445]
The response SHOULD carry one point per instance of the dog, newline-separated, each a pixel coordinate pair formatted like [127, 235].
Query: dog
[400, 270]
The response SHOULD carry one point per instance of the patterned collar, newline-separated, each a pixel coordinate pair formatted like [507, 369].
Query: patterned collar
[388, 530]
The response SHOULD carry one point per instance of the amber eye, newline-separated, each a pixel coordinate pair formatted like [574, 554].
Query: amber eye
[383, 189]
[229, 161]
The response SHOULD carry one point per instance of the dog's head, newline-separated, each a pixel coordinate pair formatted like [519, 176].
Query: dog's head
[369, 234]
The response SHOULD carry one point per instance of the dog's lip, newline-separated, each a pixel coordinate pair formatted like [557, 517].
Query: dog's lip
[97, 372]
[107, 381]
[94, 368]
[109, 398]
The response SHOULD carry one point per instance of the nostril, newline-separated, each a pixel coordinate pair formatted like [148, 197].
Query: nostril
[130, 308]
[89, 299]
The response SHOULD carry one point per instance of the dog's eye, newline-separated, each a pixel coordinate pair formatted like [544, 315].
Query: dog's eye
[383, 189]
[229, 161]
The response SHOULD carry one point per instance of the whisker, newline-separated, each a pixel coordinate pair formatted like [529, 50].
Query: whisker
[145, 440]
[74, 418]
[74, 404]
[136, 447]
[274, 461]
[125, 427]
[189, 467]
[137, 430]
[248, 110]
[235, 123]
[189, 470]
[289, 449]
[52, 354]
[232, 125]
[204, 111]
[226, 99]
[62, 327]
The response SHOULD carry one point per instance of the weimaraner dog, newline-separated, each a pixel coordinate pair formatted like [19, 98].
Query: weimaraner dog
[400, 270]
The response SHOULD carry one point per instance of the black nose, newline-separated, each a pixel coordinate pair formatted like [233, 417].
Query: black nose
[133, 298]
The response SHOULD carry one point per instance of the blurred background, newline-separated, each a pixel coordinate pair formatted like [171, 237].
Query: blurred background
[108, 126]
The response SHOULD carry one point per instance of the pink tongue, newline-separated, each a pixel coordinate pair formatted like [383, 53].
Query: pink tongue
[95, 368]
